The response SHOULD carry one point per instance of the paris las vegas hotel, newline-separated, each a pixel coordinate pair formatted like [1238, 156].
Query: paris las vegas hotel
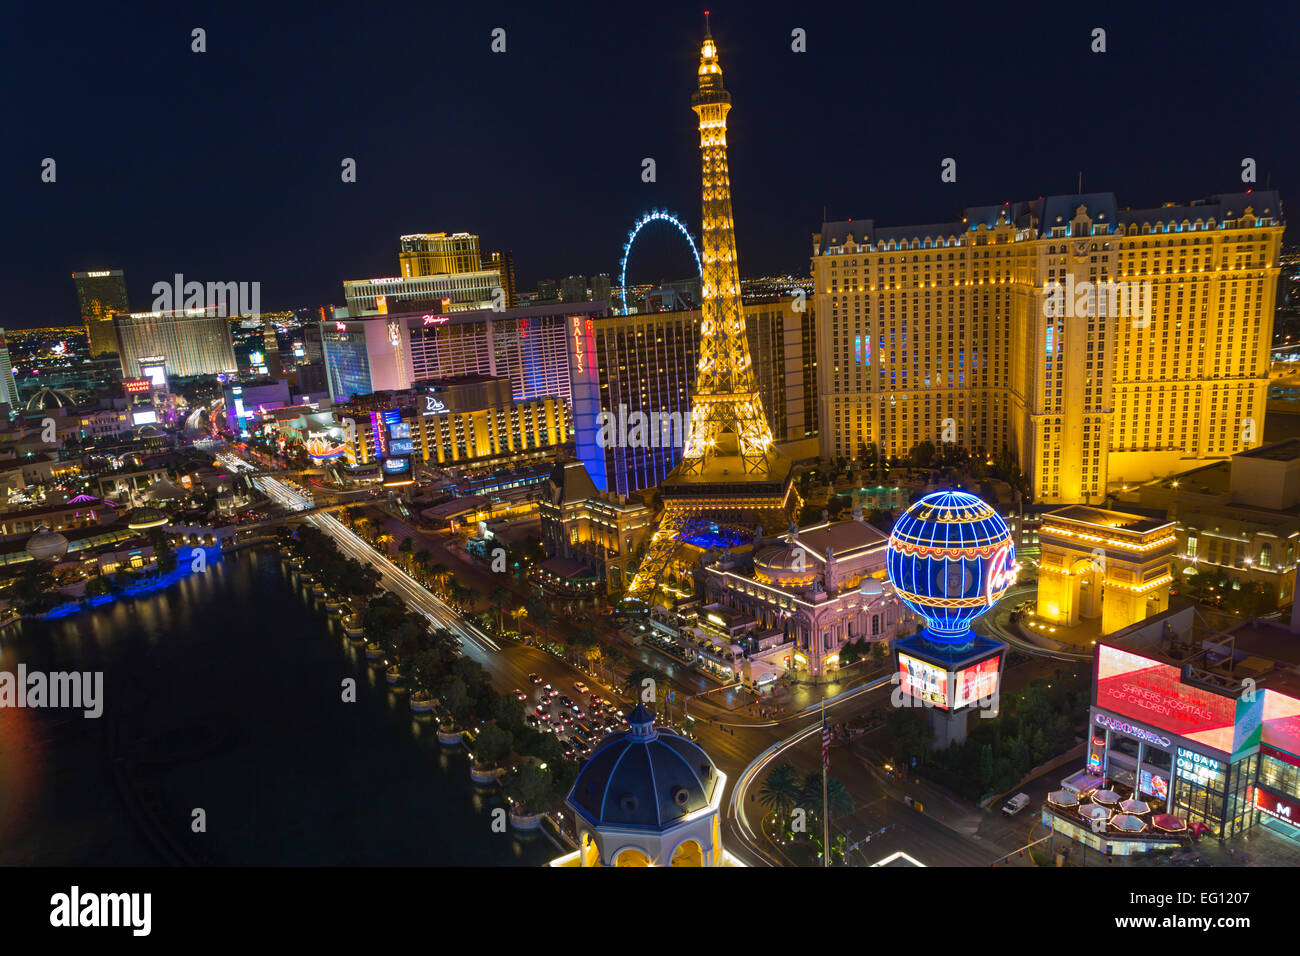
[919, 324]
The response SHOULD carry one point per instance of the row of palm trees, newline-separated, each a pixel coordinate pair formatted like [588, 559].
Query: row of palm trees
[583, 646]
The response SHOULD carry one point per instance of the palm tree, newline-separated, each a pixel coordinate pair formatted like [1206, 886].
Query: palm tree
[519, 614]
[422, 559]
[439, 573]
[839, 798]
[384, 539]
[405, 549]
[497, 596]
[585, 642]
[544, 618]
[781, 791]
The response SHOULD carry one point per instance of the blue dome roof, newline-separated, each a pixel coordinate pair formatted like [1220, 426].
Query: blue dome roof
[644, 778]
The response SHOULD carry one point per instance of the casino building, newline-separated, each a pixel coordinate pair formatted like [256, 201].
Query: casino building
[529, 346]
[1201, 724]
[607, 370]
[470, 419]
[821, 588]
[963, 328]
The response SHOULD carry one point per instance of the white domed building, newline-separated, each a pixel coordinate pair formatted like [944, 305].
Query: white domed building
[797, 603]
[46, 545]
[648, 797]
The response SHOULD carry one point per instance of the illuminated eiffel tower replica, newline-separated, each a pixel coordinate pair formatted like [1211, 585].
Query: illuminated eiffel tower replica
[731, 481]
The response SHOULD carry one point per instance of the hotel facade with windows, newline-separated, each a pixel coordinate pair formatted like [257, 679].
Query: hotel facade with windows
[458, 421]
[1103, 346]
[594, 363]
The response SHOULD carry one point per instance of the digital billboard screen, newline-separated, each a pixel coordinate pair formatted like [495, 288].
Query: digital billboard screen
[1155, 785]
[401, 446]
[1279, 808]
[1281, 722]
[1153, 693]
[924, 682]
[157, 374]
[149, 417]
[977, 682]
[396, 466]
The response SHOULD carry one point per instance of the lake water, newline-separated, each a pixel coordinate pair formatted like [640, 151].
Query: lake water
[224, 693]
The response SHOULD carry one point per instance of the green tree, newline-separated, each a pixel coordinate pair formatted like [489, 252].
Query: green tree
[492, 745]
[781, 791]
[456, 698]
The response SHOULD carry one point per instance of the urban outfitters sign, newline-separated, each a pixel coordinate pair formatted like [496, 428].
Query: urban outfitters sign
[1199, 767]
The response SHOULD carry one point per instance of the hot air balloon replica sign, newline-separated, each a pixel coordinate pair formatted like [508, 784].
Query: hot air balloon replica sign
[950, 558]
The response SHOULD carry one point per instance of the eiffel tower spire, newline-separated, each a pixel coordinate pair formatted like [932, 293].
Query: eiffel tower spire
[727, 416]
[731, 479]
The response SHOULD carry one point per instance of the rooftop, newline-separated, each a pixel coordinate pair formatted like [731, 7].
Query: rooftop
[1115, 520]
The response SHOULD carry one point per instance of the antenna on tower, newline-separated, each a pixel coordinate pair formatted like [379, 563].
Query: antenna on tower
[707, 31]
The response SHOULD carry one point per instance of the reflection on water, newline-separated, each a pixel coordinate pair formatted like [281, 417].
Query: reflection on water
[224, 693]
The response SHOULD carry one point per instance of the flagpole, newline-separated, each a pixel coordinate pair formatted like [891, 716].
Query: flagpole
[826, 819]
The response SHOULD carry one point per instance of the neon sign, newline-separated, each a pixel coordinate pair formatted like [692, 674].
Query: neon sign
[1202, 768]
[579, 355]
[1002, 574]
[435, 319]
[1132, 730]
[1277, 808]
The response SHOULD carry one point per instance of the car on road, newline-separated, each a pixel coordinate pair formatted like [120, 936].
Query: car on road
[532, 721]
[565, 701]
[520, 695]
[548, 690]
[534, 678]
[581, 688]
[1015, 804]
[566, 717]
[578, 712]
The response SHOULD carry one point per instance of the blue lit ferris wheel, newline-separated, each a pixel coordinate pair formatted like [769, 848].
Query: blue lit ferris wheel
[655, 215]
[950, 558]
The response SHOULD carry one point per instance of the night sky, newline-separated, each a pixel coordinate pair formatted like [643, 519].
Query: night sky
[225, 165]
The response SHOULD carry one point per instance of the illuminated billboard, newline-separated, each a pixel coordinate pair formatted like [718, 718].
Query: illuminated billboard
[977, 682]
[134, 386]
[924, 682]
[1155, 785]
[1281, 722]
[146, 417]
[397, 471]
[1279, 808]
[1154, 693]
[156, 373]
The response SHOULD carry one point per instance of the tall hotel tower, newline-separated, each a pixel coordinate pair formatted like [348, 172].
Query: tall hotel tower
[1100, 346]
[101, 295]
[731, 480]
